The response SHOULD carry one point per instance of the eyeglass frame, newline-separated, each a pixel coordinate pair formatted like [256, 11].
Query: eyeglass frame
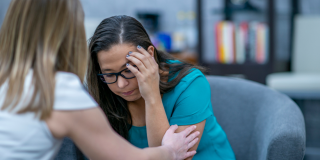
[117, 74]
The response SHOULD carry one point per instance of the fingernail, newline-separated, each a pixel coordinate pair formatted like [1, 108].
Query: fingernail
[139, 47]
[194, 126]
[130, 52]
[127, 64]
[128, 55]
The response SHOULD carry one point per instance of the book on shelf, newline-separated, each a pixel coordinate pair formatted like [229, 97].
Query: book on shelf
[240, 43]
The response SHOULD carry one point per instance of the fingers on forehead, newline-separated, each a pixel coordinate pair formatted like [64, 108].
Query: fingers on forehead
[143, 51]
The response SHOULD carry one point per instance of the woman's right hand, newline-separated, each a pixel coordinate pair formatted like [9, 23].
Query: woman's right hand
[181, 142]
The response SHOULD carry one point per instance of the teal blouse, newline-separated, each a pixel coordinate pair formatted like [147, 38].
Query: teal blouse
[190, 103]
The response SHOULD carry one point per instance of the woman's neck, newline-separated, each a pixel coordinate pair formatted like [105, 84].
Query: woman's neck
[137, 110]
[139, 103]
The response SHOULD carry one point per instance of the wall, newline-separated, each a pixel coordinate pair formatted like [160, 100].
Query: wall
[4, 4]
[310, 7]
[97, 10]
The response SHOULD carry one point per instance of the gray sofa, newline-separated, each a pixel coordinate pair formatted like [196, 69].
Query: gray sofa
[260, 123]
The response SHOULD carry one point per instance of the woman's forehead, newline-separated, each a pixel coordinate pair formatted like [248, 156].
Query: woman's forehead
[115, 57]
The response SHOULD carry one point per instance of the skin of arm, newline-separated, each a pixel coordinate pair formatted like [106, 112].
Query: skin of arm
[95, 137]
[92, 133]
[147, 75]
[157, 124]
[200, 128]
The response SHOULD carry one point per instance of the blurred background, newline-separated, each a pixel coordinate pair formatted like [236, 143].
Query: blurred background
[272, 42]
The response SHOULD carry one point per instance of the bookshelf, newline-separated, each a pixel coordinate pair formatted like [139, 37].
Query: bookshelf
[248, 70]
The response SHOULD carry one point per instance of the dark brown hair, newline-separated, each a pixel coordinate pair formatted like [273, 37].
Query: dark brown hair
[124, 29]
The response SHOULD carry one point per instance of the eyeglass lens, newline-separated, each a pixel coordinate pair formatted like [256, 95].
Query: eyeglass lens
[111, 78]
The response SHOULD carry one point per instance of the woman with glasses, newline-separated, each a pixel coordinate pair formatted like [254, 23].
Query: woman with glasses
[43, 60]
[143, 91]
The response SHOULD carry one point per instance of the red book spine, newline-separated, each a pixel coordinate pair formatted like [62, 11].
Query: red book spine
[217, 41]
[234, 43]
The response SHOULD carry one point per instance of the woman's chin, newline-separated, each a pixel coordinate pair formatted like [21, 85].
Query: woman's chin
[132, 97]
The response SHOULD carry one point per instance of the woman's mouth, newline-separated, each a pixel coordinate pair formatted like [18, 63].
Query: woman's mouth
[127, 93]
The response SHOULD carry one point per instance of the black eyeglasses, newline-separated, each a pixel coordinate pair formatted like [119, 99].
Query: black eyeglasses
[110, 78]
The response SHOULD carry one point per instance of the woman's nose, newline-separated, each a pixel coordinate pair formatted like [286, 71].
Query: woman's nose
[122, 82]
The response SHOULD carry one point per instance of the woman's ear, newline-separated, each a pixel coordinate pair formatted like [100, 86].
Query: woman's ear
[151, 50]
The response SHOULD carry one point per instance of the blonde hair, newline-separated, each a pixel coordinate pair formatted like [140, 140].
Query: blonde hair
[46, 36]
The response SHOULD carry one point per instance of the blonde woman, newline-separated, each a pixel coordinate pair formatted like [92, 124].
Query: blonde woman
[43, 59]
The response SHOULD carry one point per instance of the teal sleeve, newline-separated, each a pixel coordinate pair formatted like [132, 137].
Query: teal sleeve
[194, 104]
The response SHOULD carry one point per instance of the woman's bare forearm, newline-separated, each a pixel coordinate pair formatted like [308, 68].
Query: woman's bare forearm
[160, 152]
[147, 74]
[156, 121]
[92, 133]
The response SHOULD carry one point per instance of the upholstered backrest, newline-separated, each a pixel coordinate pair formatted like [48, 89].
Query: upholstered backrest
[260, 123]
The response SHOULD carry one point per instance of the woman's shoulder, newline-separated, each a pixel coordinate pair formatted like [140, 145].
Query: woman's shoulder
[193, 74]
[194, 78]
[70, 93]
